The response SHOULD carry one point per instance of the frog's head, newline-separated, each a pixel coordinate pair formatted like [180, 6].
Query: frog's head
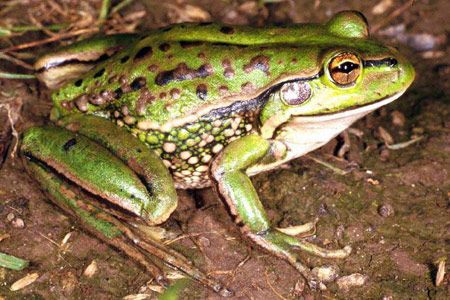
[354, 76]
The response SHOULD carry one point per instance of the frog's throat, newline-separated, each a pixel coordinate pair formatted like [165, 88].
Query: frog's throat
[303, 134]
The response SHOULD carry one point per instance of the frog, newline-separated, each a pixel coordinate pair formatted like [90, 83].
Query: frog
[192, 106]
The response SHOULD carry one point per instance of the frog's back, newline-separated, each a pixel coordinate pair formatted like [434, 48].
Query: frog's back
[176, 74]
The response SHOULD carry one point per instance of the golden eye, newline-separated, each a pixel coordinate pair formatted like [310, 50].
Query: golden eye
[345, 68]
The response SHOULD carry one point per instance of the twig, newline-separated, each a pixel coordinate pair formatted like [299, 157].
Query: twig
[392, 16]
[404, 144]
[272, 288]
[49, 40]
[104, 11]
[121, 5]
[13, 129]
[16, 61]
[16, 76]
[327, 165]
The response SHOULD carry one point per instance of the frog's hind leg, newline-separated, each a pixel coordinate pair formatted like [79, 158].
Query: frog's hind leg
[111, 229]
[234, 186]
[107, 161]
[61, 160]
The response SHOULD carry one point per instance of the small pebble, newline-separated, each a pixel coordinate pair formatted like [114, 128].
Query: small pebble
[384, 154]
[10, 217]
[24, 281]
[203, 241]
[18, 223]
[398, 118]
[356, 279]
[91, 269]
[385, 210]
[326, 273]
[340, 232]
[385, 136]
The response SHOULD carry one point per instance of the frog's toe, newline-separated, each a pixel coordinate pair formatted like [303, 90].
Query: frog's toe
[319, 251]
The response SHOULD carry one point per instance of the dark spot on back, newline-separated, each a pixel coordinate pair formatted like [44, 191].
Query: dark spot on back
[162, 95]
[99, 73]
[118, 93]
[228, 70]
[175, 93]
[205, 23]
[146, 51]
[164, 47]
[124, 59]
[183, 72]
[201, 55]
[78, 83]
[227, 30]
[145, 98]
[259, 62]
[189, 44]
[69, 144]
[223, 90]
[166, 29]
[202, 91]
[138, 83]
[153, 68]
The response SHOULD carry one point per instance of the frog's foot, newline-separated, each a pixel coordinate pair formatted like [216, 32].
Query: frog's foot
[286, 247]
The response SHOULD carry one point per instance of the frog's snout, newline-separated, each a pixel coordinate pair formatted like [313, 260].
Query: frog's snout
[406, 71]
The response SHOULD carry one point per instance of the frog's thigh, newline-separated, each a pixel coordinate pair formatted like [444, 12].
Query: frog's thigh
[141, 185]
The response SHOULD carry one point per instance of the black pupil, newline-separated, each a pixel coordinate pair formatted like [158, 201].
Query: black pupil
[346, 67]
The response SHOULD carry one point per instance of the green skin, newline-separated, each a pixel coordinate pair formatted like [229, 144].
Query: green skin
[206, 105]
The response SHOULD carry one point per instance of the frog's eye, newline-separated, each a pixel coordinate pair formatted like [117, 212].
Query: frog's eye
[295, 93]
[345, 68]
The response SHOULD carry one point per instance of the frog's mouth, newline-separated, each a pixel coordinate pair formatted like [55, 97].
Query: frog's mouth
[303, 134]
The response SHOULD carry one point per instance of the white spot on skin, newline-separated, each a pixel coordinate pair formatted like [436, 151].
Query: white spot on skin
[228, 132]
[202, 168]
[235, 123]
[206, 158]
[167, 163]
[169, 147]
[217, 123]
[248, 127]
[186, 172]
[217, 148]
[193, 160]
[209, 139]
[185, 155]
[202, 144]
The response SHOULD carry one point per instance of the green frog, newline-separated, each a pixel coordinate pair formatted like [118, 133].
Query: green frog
[198, 105]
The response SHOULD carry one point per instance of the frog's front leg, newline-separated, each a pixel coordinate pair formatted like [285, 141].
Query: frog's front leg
[234, 186]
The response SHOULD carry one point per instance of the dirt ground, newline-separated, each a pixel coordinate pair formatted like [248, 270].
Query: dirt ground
[392, 206]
